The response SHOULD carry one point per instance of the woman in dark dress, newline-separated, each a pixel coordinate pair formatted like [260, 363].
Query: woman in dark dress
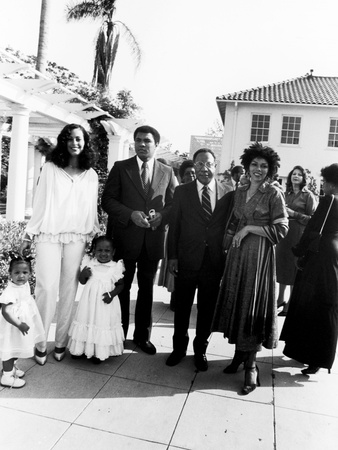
[310, 330]
[300, 205]
[246, 310]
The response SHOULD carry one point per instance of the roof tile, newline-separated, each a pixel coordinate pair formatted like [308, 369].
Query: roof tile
[305, 90]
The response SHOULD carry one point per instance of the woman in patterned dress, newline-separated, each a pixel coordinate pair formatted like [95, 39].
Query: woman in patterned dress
[246, 308]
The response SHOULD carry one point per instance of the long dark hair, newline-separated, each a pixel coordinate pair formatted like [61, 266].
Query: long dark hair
[60, 155]
[302, 184]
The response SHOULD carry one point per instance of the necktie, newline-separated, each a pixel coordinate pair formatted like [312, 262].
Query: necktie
[206, 203]
[145, 177]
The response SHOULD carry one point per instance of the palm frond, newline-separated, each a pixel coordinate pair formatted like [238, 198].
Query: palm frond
[85, 10]
[132, 42]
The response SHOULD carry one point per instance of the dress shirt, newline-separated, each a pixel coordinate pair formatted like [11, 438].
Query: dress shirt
[212, 192]
[150, 167]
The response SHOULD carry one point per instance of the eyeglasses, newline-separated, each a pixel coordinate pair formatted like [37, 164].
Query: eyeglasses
[200, 164]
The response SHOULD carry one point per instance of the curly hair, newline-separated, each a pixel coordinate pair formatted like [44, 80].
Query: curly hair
[257, 150]
[330, 174]
[60, 155]
[288, 180]
[184, 166]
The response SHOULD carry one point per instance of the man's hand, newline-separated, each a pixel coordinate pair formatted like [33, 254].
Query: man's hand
[173, 267]
[156, 220]
[140, 219]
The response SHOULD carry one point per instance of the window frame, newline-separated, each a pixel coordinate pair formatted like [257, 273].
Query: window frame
[334, 133]
[290, 132]
[262, 129]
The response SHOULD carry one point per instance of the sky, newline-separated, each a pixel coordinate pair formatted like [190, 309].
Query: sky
[192, 51]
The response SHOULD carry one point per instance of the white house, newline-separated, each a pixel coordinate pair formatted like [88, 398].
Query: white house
[298, 118]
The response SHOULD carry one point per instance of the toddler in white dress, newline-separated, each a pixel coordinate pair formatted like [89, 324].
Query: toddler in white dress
[96, 330]
[20, 323]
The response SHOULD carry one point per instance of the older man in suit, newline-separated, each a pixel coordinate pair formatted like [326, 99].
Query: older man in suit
[196, 230]
[134, 188]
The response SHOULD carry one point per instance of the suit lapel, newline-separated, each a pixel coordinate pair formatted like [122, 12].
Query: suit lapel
[132, 170]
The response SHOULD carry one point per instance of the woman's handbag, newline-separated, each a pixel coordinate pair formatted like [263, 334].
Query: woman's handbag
[313, 246]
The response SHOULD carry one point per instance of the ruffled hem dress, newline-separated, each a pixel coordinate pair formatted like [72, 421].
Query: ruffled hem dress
[97, 327]
[13, 344]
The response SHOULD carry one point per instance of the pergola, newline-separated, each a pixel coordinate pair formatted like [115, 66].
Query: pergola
[40, 107]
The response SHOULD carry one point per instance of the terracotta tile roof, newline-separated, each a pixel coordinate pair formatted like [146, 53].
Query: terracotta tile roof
[305, 90]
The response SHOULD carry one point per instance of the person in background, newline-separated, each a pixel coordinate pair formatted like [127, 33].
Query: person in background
[196, 230]
[300, 206]
[246, 307]
[135, 187]
[310, 329]
[187, 171]
[64, 219]
[236, 173]
[20, 323]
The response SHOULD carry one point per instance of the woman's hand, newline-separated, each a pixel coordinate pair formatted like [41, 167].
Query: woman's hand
[290, 212]
[236, 242]
[25, 246]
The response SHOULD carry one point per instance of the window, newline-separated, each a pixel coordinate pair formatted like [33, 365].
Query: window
[333, 133]
[260, 128]
[290, 130]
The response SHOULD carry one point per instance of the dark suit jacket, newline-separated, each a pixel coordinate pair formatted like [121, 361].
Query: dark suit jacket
[124, 194]
[189, 230]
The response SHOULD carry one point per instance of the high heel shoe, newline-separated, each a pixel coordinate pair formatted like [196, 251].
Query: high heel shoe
[251, 380]
[239, 358]
[311, 370]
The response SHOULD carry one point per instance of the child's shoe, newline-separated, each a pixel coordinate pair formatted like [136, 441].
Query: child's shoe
[9, 379]
[18, 372]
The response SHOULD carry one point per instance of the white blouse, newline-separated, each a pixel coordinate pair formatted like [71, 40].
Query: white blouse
[65, 207]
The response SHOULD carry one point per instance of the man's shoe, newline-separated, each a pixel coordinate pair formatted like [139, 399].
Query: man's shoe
[146, 347]
[201, 362]
[59, 353]
[174, 358]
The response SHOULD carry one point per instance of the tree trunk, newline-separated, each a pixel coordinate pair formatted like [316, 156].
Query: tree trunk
[41, 61]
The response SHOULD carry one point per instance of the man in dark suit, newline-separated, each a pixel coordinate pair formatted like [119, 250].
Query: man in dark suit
[196, 228]
[135, 187]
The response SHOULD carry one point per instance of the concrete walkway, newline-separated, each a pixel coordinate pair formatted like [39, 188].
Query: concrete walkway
[136, 402]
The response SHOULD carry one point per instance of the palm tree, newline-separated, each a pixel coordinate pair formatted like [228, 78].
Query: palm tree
[108, 37]
[41, 60]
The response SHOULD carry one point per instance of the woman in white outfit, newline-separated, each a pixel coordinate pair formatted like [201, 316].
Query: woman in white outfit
[63, 220]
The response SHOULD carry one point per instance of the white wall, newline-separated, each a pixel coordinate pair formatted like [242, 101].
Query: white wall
[311, 153]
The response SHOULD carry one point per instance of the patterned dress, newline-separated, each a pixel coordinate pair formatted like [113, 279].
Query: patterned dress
[246, 306]
[304, 204]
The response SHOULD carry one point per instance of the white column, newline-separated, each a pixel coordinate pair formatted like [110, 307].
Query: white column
[17, 167]
[115, 150]
[30, 180]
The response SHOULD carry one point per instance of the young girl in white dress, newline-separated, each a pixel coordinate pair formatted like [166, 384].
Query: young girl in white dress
[20, 323]
[96, 330]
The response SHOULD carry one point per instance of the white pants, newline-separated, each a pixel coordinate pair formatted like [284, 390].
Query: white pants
[57, 269]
